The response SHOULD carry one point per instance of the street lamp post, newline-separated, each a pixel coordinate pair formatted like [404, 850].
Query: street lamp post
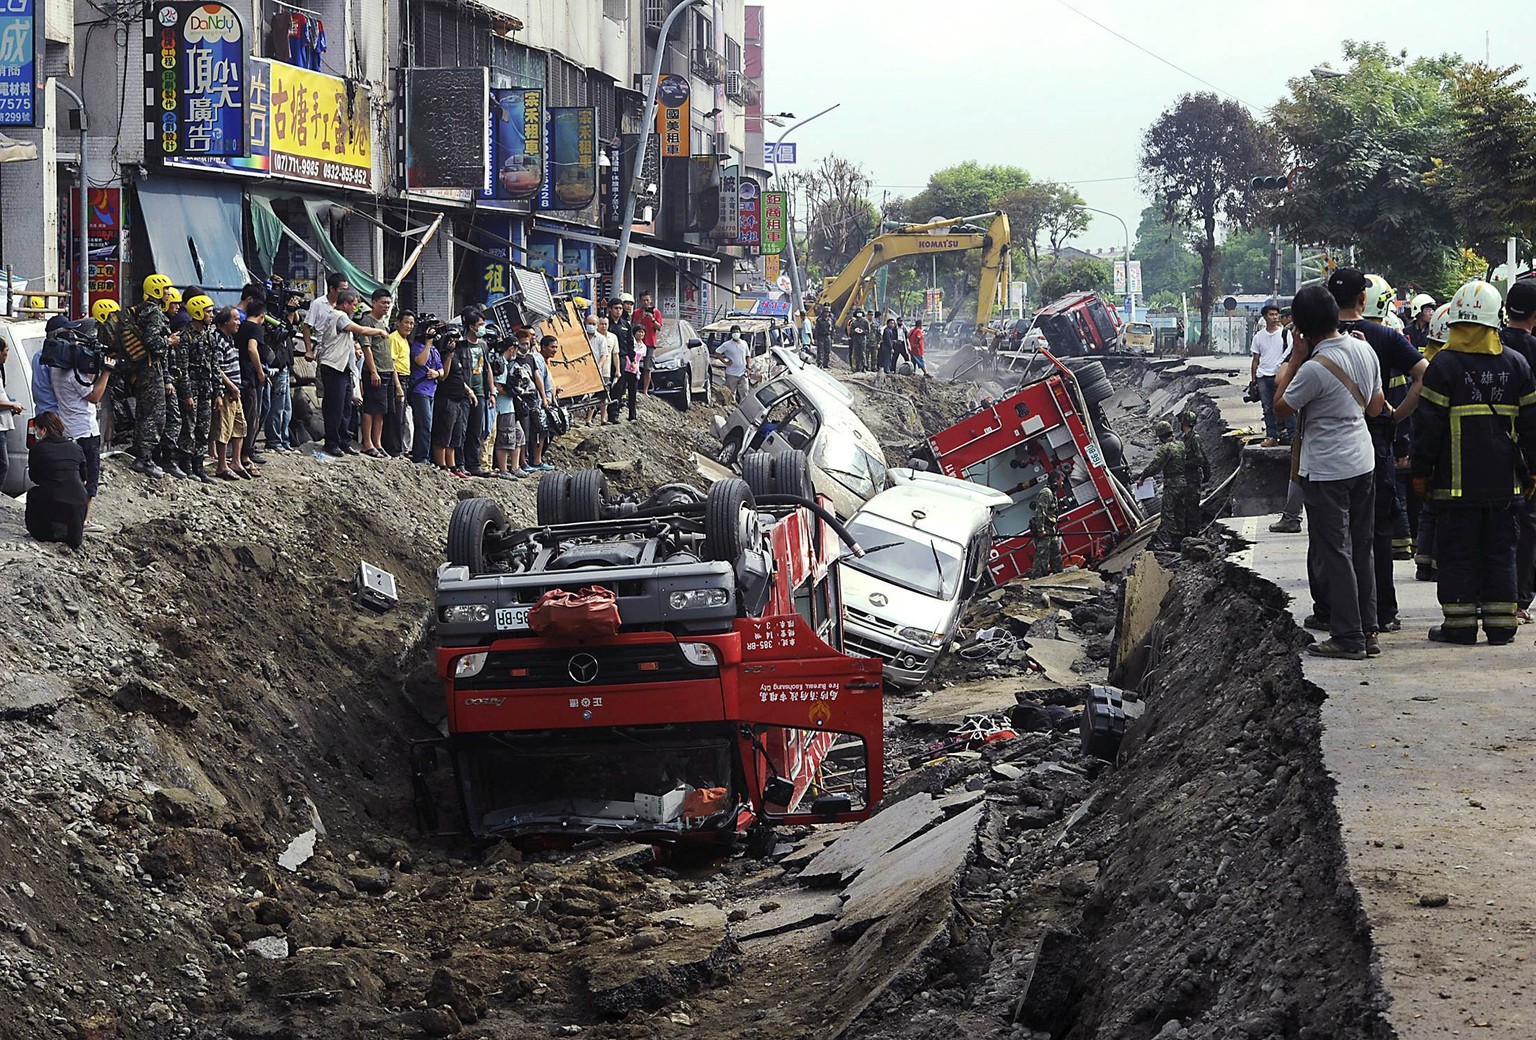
[1130, 297]
[796, 288]
[626, 222]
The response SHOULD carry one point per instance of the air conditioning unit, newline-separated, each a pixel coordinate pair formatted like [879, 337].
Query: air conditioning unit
[734, 85]
[655, 13]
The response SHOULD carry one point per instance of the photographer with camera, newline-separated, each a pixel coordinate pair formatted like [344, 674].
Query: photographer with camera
[426, 370]
[77, 375]
[281, 330]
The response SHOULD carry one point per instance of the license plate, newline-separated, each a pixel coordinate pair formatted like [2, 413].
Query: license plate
[512, 619]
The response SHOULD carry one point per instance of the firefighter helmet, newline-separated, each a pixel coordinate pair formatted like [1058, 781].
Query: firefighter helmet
[155, 286]
[1440, 324]
[1164, 429]
[1421, 301]
[1392, 321]
[200, 308]
[36, 303]
[101, 310]
[1477, 303]
[172, 295]
[1379, 297]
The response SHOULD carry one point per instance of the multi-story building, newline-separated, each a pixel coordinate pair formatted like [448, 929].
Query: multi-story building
[422, 144]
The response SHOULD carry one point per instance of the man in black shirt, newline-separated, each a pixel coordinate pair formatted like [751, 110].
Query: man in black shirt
[627, 385]
[450, 416]
[251, 338]
[1423, 307]
[1520, 313]
[280, 333]
[1402, 380]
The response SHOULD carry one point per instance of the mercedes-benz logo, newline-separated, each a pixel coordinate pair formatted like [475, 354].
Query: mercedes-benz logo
[582, 668]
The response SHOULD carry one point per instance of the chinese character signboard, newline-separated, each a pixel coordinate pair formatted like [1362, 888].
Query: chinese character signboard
[672, 124]
[104, 227]
[321, 129]
[771, 269]
[775, 217]
[257, 162]
[750, 221]
[775, 152]
[572, 163]
[447, 113]
[194, 80]
[18, 63]
[730, 205]
[517, 143]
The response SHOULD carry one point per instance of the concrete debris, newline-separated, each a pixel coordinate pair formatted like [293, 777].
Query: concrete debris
[871, 839]
[271, 947]
[299, 851]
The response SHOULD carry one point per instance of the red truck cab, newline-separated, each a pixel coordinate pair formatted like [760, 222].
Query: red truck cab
[721, 699]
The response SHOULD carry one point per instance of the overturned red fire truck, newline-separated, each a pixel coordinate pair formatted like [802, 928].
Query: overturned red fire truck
[667, 670]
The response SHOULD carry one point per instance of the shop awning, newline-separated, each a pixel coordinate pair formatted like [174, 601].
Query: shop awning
[194, 233]
[639, 248]
[269, 230]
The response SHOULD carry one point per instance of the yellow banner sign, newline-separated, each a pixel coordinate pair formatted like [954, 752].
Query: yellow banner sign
[320, 130]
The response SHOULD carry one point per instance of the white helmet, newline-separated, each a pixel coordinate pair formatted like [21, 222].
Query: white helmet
[1379, 298]
[1477, 303]
[1392, 321]
[1440, 324]
[1420, 301]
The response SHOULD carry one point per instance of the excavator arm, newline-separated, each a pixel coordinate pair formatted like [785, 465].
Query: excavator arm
[842, 293]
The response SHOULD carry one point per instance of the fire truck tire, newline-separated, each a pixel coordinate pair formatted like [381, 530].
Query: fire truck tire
[792, 475]
[757, 471]
[472, 520]
[552, 502]
[1094, 382]
[584, 502]
[730, 520]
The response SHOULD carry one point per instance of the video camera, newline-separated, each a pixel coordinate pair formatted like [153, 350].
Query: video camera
[74, 347]
[1251, 392]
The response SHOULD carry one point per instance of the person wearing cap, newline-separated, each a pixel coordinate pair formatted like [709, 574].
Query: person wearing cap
[1517, 335]
[1477, 447]
[1332, 382]
[858, 330]
[1363, 302]
[201, 388]
[1424, 532]
[1170, 462]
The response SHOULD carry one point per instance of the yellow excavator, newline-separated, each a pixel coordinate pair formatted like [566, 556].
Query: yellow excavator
[852, 285]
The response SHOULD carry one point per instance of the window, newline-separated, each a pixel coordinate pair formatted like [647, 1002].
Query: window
[732, 55]
[450, 37]
[566, 86]
[513, 65]
[703, 32]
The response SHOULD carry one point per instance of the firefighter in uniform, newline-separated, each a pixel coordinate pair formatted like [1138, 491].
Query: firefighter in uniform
[858, 340]
[1473, 460]
[1424, 536]
[1042, 528]
[1169, 461]
[143, 342]
[1197, 472]
[1519, 321]
[821, 334]
[201, 386]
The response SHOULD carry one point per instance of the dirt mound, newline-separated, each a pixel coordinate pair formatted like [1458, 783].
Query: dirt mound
[903, 411]
[1199, 892]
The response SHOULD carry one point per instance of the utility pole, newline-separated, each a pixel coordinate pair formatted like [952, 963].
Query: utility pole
[83, 207]
[647, 122]
[796, 286]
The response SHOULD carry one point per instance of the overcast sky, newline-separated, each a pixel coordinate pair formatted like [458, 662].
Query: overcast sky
[1033, 83]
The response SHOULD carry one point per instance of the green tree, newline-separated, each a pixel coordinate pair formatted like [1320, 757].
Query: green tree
[1245, 261]
[1488, 173]
[1197, 160]
[1079, 275]
[1366, 142]
[1042, 210]
[964, 190]
[1168, 266]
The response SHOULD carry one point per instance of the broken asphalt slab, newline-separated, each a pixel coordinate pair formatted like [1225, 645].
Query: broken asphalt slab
[792, 910]
[911, 874]
[685, 949]
[873, 838]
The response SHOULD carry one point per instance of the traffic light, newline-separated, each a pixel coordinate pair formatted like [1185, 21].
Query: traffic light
[1269, 183]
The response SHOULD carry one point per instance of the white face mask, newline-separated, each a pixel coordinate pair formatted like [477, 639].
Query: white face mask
[736, 336]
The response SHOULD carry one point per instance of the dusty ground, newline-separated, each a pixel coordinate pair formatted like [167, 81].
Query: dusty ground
[197, 692]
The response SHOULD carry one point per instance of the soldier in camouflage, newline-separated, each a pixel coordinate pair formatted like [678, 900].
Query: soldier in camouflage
[1197, 473]
[152, 331]
[201, 386]
[1042, 528]
[174, 368]
[1169, 461]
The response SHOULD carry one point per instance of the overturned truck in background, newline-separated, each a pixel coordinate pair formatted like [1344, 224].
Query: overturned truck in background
[668, 670]
[1053, 424]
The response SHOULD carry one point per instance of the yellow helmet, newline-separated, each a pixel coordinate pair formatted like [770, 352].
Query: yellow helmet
[200, 308]
[101, 310]
[36, 303]
[1379, 297]
[172, 295]
[155, 286]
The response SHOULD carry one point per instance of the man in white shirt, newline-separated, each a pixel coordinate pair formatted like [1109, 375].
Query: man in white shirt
[734, 351]
[1270, 346]
[605, 347]
[330, 323]
[1334, 380]
[75, 401]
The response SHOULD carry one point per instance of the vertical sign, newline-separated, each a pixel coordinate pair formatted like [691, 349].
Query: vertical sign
[517, 144]
[612, 186]
[18, 63]
[447, 111]
[672, 117]
[751, 232]
[194, 73]
[571, 162]
[730, 204]
[775, 223]
[771, 270]
[104, 226]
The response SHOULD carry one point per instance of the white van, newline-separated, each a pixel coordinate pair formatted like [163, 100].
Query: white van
[926, 549]
[25, 338]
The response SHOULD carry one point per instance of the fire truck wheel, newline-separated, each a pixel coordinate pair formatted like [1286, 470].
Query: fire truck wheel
[588, 489]
[757, 471]
[792, 475]
[1093, 381]
[730, 520]
[551, 505]
[472, 520]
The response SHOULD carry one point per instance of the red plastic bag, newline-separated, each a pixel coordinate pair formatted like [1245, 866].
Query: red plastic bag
[591, 613]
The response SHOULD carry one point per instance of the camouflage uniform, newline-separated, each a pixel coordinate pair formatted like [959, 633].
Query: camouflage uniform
[1042, 527]
[1169, 461]
[200, 350]
[154, 329]
[173, 367]
[1197, 471]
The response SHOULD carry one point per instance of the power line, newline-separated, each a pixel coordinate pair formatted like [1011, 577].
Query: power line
[1159, 57]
